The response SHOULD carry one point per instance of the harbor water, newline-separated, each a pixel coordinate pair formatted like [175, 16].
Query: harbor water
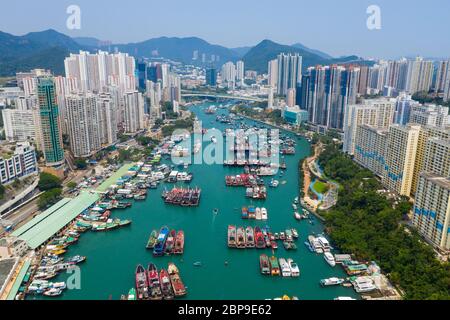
[224, 273]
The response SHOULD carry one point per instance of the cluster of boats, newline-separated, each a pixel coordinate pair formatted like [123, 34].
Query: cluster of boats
[256, 193]
[260, 238]
[243, 180]
[254, 213]
[276, 267]
[154, 285]
[51, 265]
[46, 288]
[166, 242]
[179, 176]
[182, 197]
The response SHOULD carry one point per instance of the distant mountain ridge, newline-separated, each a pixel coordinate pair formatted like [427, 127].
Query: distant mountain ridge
[258, 57]
[47, 49]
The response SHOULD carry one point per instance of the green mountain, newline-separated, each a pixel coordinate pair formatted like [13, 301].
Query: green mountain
[259, 56]
[46, 49]
[317, 52]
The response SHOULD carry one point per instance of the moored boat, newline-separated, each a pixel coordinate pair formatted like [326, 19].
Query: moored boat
[170, 242]
[250, 237]
[166, 285]
[329, 258]
[179, 243]
[131, 294]
[295, 270]
[258, 214]
[264, 215]
[152, 240]
[334, 281]
[274, 267]
[264, 264]
[231, 236]
[177, 285]
[260, 241]
[153, 282]
[141, 283]
[284, 266]
[240, 242]
[158, 250]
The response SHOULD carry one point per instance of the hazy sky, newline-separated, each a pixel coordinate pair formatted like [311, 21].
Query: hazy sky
[338, 27]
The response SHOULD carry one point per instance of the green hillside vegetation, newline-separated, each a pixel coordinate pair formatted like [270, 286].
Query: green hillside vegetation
[367, 224]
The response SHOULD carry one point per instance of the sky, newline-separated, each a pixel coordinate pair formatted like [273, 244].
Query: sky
[337, 27]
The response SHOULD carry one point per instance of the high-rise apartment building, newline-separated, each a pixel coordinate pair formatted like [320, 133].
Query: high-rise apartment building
[370, 148]
[377, 113]
[289, 72]
[52, 145]
[134, 119]
[401, 151]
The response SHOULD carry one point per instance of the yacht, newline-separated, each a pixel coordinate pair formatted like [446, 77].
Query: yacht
[364, 284]
[329, 258]
[331, 281]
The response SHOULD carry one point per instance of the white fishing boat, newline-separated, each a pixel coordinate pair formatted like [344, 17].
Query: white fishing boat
[294, 206]
[264, 215]
[344, 298]
[295, 271]
[334, 281]
[285, 268]
[258, 214]
[297, 216]
[53, 292]
[329, 258]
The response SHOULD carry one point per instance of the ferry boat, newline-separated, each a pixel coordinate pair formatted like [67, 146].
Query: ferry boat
[284, 266]
[329, 258]
[141, 283]
[177, 285]
[158, 250]
[274, 267]
[179, 243]
[250, 237]
[152, 240]
[166, 286]
[264, 264]
[244, 213]
[240, 243]
[334, 281]
[231, 236]
[260, 241]
[153, 282]
[258, 214]
[264, 214]
[170, 242]
[295, 271]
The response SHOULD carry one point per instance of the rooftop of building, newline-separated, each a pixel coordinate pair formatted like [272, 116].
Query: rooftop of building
[44, 226]
[441, 181]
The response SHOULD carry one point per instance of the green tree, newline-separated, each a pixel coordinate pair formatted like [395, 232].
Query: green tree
[71, 185]
[81, 164]
[48, 181]
[49, 198]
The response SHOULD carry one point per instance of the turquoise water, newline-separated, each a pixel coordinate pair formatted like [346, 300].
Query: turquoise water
[112, 256]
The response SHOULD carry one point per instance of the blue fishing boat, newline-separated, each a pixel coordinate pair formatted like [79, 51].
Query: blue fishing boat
[160, 242]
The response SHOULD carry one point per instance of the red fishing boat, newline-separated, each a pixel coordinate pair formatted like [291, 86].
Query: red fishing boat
[153, 282]
[141, 283]
[166, 285]
[179, 243]
[259, 237]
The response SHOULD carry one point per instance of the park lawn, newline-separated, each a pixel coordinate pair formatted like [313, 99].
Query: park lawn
[320, 187]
